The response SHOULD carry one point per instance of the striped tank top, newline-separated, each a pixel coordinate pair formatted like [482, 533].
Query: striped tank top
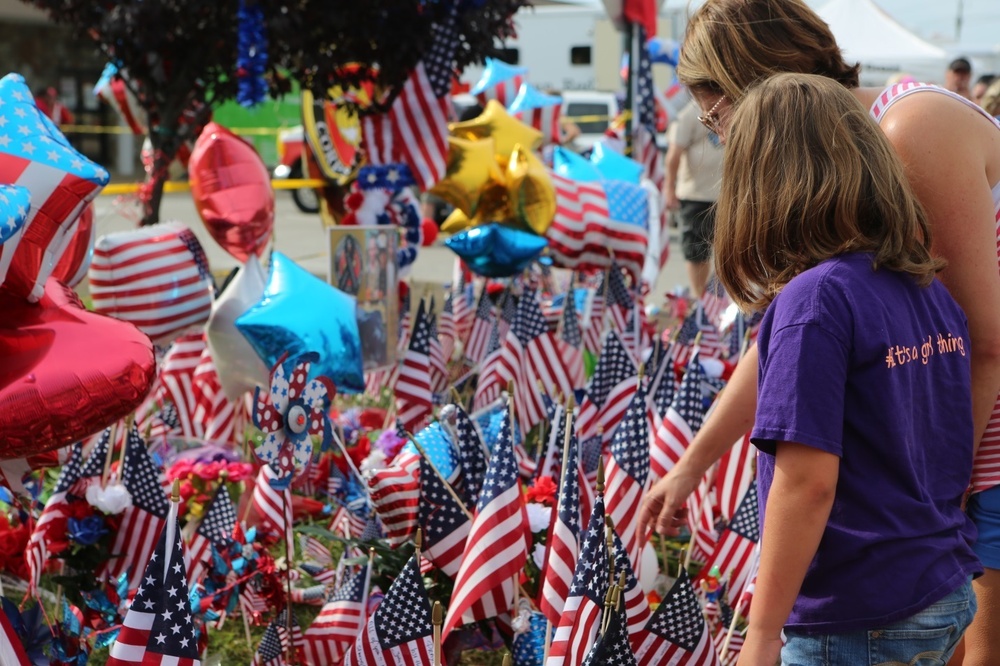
[986, 471]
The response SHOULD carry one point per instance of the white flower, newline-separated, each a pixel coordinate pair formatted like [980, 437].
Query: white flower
[538, 555]
[539, 517]
[374, 461]
[114, 498]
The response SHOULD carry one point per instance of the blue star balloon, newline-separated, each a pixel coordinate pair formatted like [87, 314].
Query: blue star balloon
[569, 164]
[613, 166]
[15, 202]
[666, 51]
[490, 420]
[436, 443]
[493, 250]
[495, 73]
[529, 647]
[529, 97]
[299, 313]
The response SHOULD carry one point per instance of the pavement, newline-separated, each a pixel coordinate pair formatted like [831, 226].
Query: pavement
[302, 237]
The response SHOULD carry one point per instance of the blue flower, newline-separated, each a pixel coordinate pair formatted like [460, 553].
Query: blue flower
[86, 531]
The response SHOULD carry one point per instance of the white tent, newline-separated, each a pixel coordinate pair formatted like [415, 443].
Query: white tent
[868, 35]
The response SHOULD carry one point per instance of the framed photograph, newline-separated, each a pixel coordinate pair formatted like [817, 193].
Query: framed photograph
[363, 264]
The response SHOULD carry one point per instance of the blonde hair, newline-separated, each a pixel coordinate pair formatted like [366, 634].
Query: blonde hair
[730, 44]
[808, 175]
[991, 99]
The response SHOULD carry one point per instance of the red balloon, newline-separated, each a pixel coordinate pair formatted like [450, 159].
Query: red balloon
[75, 260]
[428, 232]
[232, 191]
[65, 373]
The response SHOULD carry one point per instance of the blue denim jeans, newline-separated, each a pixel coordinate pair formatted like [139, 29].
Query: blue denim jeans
[925, 639]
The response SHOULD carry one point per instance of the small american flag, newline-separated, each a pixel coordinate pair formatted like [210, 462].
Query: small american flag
[414, 399]
[395, 492]
[681, 422]
[594, 330]
[419, 116]
[339, 621]
[482, 325]
[636, 606]
[571, 341]
[158, 628]
[561, 559]
[447, 331]
[175, 384]
[273, 508]
[277, 642]
[399, 633]
[737, 468]
[735, 548]
[496, 549]
[464, 297]
[620, 303]
[215, 528]
[61, 181]
[438, 361]
[494, 372]
[444, 522]
[593, 219]
[542, 362]
[155, 277]
[37, 552]
[628, 473]
[676, 633]
[214, 415]
[471, 455]
[609, 391]
[135, 539]
[612, 648]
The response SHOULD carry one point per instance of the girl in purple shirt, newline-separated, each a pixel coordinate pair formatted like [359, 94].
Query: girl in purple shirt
[864, 416]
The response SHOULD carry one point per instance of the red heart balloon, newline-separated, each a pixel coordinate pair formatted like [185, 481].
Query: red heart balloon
[65, 373]
[232, 191]
[75, 260]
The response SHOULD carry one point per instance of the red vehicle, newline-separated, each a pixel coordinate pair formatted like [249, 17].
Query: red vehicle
[292, 153]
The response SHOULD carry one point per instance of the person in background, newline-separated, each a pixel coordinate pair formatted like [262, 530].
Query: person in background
[991, 99]
[958, 76]
[47, 101]
[691, 188]
[950, 150]
[979, 89]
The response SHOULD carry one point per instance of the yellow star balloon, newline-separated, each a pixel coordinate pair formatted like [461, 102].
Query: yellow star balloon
[532, 198]
[471, 167]
[505, 130]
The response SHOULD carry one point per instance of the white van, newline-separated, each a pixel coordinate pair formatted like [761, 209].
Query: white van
[592, 111]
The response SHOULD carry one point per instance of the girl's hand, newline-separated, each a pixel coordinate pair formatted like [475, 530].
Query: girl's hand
[760, 650]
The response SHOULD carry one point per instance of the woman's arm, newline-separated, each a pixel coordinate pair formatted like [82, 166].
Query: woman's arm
[729, 421]
[947, 150]
[798, 508]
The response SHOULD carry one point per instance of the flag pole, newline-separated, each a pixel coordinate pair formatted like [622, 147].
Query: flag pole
[444, 481]
[437, 617]
[112, 437]
[729, 637]
[287, 500]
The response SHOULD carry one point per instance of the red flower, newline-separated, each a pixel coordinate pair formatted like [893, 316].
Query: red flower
[543, 491]
[79, 509]
[372, 418]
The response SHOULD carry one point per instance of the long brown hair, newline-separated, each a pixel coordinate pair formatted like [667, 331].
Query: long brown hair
[730, 44]
[808, 175]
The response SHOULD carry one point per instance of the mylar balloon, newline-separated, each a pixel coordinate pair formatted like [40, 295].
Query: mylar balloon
[571, 165]
[65, 372]
[15, 202]
[232, 191]
[75, 259]
[614, 166]
[496, 251]
[471, 167]
[505, 130]
[239, 368]
[540, 110]
[36, 156]
[499, 82]
[299, 313]
[532, 198]
[156, 277]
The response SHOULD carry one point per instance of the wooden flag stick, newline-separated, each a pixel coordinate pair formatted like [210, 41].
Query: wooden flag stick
[287, 500]
[507, 661]
[444, 481]
[112, 436]
[121, 458]
[437, 618]
[729, 637]
[548, 640]
[347, 456]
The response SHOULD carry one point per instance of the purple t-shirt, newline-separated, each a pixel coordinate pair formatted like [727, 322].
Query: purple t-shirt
[872, 368]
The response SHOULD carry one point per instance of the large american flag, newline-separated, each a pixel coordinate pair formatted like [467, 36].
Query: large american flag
[497, 547]
[681, 422]
[37, 552]
[444, 522]
[136, 538]
[479, 334]
[676, 633]
[158, 628]
[399, 633]
[594, 219]
[609, 391]
[419, 115]
[156, 277]
[578, 625]
[565, 540]
[734, 550]
[628, 473]
[472, 457]
[339, 621]
[414, 399]
[61, 182]
[216, 528]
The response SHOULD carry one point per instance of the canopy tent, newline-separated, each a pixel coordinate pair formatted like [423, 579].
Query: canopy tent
[868, 35]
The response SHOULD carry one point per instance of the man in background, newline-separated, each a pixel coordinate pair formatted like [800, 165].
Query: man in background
[979, 89]
[958, 77]
[47, 101]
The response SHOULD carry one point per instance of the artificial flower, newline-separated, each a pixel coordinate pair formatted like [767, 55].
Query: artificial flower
[539, 517]
[113, 498]
[543, 491]
[86, 531]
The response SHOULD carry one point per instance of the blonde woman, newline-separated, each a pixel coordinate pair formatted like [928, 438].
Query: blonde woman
[950, 152]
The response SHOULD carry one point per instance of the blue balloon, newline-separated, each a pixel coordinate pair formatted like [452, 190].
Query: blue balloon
[529, 647]
[493, 250]
[299, 313]
[490, 420]
[571, 165]
[15, 202]
[665, 51]
[437, 444]
[529, 97]
[613, 166]
[495, 73]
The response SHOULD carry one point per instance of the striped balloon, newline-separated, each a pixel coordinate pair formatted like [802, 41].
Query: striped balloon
[156, 278]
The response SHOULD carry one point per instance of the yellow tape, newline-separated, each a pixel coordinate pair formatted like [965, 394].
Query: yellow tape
[171, 186]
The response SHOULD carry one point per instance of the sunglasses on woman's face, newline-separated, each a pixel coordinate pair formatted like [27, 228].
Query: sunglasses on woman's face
[711, 118]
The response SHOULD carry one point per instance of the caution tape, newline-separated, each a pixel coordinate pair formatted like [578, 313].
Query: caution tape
[171, 186]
